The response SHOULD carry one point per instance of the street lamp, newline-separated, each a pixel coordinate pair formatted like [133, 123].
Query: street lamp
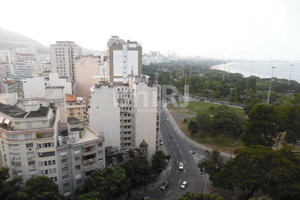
[268, 101]
[290, 74]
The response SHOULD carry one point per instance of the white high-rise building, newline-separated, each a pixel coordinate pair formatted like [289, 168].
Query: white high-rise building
[124, 58]
[62, 56]
[127, 114]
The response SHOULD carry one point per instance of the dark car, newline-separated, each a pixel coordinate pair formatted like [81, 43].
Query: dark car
[164, 185]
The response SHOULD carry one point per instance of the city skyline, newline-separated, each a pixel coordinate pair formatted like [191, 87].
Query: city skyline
[232, 29]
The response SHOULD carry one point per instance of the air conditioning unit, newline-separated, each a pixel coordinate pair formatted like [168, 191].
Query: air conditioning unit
[29, 149]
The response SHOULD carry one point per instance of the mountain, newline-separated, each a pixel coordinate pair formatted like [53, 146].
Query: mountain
[11, 40]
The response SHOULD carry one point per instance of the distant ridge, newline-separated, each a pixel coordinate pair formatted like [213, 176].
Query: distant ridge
[11, 40]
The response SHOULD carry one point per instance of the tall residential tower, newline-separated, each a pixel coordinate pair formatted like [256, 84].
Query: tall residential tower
[63, 55]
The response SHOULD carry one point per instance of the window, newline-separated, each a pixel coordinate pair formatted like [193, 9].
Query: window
[13, 147]
[65, 176]
[77, 167]
[64, 169]
[65, 160]
[29, 145]
[12, 137]
[99, 144]
[47, 154]
[31, 163]
[28, 136]
[30, 155]
[53, 162]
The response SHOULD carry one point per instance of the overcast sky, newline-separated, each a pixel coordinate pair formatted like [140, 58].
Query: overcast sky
[252, 29]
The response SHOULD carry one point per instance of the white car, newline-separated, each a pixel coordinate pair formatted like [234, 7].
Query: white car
[161, 143]
[184, 184]
[180, 166]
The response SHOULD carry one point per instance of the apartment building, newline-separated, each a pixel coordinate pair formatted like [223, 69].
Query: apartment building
[124, 59]
[62, 57]
[12, 86]
[39, 83]
[76, 107]
[127, 114]
[78, 154]
[27, 141]
[38, 140]
[9, 98]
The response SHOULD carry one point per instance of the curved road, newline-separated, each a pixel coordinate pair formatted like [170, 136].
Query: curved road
[180, 151]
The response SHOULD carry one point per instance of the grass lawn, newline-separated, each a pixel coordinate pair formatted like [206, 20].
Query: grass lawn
[220, 142]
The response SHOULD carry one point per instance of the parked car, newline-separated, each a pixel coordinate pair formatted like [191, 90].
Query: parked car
[184, 184]
[180, 167]
[164, 185]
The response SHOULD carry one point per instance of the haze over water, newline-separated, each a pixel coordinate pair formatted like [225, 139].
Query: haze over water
[263, 69]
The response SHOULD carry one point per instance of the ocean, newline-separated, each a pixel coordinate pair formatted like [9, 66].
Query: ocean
[263, 69]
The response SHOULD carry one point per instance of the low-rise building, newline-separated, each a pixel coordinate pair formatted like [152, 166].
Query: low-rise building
[76, 107]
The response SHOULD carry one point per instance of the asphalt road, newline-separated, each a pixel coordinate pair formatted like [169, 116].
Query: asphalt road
[180, 151]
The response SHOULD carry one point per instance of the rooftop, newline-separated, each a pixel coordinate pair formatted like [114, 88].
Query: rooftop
[17, 112]
[71, 97]
[73, 120]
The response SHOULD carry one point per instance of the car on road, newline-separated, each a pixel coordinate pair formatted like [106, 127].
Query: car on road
[161, 143]
[184, 184]
[164, 186]
[146, 197]
[167, 119]
[180, 167]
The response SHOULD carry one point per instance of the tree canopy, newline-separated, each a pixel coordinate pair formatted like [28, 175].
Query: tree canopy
[254, 168]
[104, 184]
[199, 196]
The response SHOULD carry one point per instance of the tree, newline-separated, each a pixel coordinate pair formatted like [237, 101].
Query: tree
[226, 121]
[106, 184]
[262, 126]
[204, 121]
[41, 187]
[159, 162]
[212, 163]
[9, 188]
[193, 127]
[254, 168]
[199, 196]
[138, 171]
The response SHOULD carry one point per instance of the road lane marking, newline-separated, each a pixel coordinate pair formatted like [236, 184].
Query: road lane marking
[184, 161]
[168, 192]
[174, 153]
[184, 171]
[180, 151]
[179, 181]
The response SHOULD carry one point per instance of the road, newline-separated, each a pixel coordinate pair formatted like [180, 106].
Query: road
[180, 151]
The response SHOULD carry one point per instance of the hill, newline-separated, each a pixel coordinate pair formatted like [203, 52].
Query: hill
[10, 40]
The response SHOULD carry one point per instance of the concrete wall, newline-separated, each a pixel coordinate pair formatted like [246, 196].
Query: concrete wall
[86, 68]
[145, 103]
[104, 115]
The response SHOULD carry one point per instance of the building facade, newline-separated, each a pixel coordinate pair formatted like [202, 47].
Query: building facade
[127, 114]
[40, 83]
[62, 56]
[124, 59]
[86, 68]
[76, 107]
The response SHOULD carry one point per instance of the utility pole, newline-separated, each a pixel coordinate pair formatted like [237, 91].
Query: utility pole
[290, 74]
[224, 71]
[268, 101]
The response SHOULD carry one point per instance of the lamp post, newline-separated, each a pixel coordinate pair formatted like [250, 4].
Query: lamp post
[290, 74]
[268, 101]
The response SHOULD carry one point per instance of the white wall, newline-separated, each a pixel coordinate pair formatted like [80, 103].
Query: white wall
[146, 110]
[104, 115]
[34, 87]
